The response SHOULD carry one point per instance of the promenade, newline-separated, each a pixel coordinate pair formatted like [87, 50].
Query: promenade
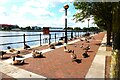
[58, 64]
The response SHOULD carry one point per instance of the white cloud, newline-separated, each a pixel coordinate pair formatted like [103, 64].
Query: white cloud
[2, 10]
[35, 12]
[17, 15]
[3, 1]
[14, 8]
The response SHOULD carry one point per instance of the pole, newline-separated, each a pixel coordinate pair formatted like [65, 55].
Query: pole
[88, 25]
[66, 26]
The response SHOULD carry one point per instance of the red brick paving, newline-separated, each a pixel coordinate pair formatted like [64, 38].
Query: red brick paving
[58, 64]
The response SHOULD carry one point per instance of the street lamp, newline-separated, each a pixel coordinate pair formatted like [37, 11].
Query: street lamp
[66, 7]
[88, 25]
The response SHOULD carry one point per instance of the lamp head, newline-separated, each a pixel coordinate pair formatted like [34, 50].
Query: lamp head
[88, 19]
[66, 6]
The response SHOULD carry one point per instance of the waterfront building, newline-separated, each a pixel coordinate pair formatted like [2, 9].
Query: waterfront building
[35, 28]
[8, 26]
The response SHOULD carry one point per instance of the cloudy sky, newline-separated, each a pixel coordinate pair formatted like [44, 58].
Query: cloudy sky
[44, 13]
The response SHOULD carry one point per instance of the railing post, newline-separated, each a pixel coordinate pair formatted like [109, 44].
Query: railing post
[24, 38]
[75, 33]
[55, 37]
[40, 39]
[43, 40]
[78, 33]
[62, 34]
[72, 34]
[49, 38]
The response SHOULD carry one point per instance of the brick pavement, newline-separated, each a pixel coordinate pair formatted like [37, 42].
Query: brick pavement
[58, 64]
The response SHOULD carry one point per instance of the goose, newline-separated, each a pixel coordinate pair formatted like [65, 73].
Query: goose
[26, 46]
[87, 48]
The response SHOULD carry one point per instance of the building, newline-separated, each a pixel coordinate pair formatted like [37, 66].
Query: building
[55, 28]
[5, 26]
[8, 26]
[35, 28]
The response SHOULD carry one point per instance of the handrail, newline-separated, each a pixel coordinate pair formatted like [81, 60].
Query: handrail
[11, 36]
[11, 43]
[48, 40]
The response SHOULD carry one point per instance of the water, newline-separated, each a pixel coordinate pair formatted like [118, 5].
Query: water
[4, 40]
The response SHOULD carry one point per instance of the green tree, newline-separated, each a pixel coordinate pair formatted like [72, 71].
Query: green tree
[85, 29]
[93, 29]
[69, 28]
[77, 28]
[28, 28]
[107, 17]
[116, 38]
[116, 25]
[101, 11]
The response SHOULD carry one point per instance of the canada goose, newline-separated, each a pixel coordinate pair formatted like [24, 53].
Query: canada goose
[52, 46]
[81, 39]
[2, 53]
[11, 49]
[37, 54]
[26, 46]
[73, 56]
[87, 48]
[85, 54]
[67, 50]
[15, 62]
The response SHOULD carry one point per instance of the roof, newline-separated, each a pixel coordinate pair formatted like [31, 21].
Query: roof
[3, 25]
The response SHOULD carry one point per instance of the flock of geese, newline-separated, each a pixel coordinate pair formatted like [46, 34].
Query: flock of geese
[39, 54]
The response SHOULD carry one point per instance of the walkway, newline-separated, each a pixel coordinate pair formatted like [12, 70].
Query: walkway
[57, 63]
[13, 71]
[97, 69]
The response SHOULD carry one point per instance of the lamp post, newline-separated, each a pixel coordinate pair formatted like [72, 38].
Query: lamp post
[88, 25]
[66, 7]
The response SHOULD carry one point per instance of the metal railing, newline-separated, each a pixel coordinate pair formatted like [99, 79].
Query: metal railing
[41, 40]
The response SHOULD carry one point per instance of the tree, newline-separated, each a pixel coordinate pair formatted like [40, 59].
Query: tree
[106, 16]
[101, 11]
[28, 28]
[77, 28]
[85, 29]
[93, 29]
[116, 38]
[116, 25]
[69, 28]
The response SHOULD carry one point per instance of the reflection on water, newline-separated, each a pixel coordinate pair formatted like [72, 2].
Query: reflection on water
[4, 40]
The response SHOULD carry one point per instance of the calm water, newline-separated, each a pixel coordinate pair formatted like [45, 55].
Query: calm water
[4, 40]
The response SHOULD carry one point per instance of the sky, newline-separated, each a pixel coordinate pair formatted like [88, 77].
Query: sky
[43, 13]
